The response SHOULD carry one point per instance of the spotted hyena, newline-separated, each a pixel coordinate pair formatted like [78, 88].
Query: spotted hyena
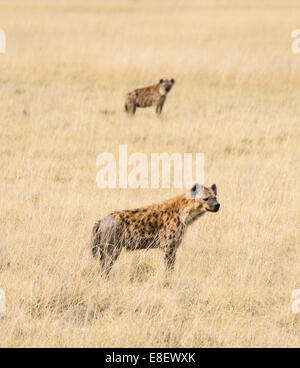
[149, 96]
[156, 226]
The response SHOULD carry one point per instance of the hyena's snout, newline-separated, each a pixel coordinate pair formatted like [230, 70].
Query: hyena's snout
[216, 207]
[213, 206]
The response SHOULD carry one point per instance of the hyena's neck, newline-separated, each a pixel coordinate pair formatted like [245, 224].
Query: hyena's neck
[183, 208]
[192, 217]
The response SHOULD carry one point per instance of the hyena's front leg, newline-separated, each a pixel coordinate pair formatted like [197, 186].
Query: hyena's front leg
[160, 105]
[170, 256]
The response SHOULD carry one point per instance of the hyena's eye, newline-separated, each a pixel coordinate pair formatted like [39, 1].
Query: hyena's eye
[206, 199]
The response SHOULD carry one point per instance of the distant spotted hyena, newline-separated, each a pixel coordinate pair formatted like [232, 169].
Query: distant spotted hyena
[149, 96]
[156, 226]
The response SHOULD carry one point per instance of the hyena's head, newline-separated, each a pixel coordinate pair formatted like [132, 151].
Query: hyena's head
[201, 199]
[165, 86]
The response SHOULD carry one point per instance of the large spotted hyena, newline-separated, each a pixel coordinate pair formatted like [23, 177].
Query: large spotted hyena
[156, 226]
[149, 96]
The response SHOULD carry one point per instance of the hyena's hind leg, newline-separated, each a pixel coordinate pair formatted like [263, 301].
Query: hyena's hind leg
[130, 106]
[105, 244]
[111, 256]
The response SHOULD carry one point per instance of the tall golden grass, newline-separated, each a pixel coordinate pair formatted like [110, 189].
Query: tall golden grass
[63, 81]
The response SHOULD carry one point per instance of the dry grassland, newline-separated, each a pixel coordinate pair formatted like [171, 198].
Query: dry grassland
[63, 80]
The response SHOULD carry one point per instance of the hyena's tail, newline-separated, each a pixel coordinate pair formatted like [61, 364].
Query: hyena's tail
[95, 242]
[126, 107]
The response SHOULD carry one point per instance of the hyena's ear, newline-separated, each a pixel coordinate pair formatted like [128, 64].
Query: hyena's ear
[172, 81]
[214, 188]
[161, 81]
[195, 191]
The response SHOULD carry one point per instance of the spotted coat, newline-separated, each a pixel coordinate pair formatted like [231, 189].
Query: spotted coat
[157, 226]
[149, 96]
